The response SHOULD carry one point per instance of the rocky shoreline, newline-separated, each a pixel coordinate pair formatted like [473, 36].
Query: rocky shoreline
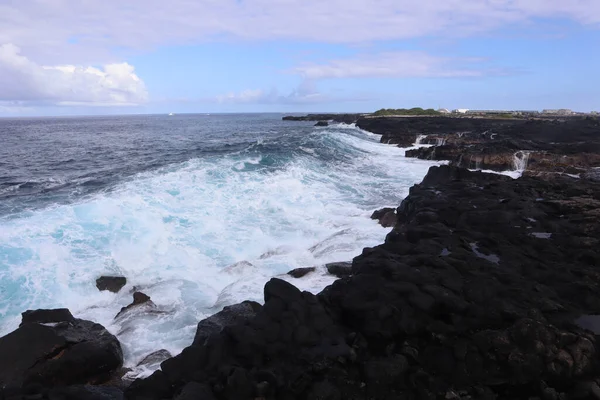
[486, 287]
[540, 147]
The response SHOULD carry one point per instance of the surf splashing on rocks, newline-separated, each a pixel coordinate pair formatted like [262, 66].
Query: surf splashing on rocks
[203, 233]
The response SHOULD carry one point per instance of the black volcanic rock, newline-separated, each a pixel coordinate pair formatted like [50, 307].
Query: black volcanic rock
[405, 130]
[300, 272]
[196, 391]
[478, 292]
[141, 303]
[86, 392]
[51, 348]
[322, 123]
[46, 316]
[229, 316]
[289, 336]
[474, 294]
[155, 358]
[339, 269]
[111, 283]
[386, 217]
[547, 147]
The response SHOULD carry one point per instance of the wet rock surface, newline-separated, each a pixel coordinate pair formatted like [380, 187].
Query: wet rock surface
[155, 358]
[386, 217]
[46, 316]
[51, 348]
[111, 283]
[300, 272]
[141, 303]
[229, 316]
[339, 269]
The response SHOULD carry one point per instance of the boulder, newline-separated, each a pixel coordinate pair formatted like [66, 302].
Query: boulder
[140, 301]
[231, 315]
[322, 123]
[111, 283]
[300, 272]
[340, 269]
[51, 348]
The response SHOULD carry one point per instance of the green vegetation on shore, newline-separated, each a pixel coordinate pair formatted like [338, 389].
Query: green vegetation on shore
[406, 111]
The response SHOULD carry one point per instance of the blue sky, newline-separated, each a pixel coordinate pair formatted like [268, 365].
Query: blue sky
[67, 57]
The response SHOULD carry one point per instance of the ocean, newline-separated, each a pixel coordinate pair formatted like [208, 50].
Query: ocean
[197, 211]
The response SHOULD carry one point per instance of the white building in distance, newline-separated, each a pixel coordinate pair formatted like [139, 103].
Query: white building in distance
[562, 111]
[460, 111]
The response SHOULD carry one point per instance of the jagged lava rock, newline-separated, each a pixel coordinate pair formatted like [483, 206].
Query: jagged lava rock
[229, 316]
[46, 316]
[139, 300]
[461, 301]
[51, 348]
[256, 357]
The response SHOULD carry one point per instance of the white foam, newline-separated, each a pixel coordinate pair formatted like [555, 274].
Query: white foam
[512, 174]
[520, 160]
[175, 234]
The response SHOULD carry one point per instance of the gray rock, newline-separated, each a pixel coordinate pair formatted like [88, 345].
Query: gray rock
[111, 283]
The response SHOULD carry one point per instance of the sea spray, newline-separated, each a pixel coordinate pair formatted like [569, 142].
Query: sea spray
[203, 231]
[475, 161]
[420, 139]
[520, 160]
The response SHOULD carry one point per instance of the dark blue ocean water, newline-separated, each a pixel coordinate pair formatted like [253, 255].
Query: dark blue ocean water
[198, 211]
[57, 160]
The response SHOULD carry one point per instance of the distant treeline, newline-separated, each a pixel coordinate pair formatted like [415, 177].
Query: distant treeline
[406, 111]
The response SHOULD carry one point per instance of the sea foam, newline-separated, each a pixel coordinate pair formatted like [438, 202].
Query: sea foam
[202, 234]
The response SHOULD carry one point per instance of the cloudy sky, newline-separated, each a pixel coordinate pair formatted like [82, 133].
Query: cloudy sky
[69, 57]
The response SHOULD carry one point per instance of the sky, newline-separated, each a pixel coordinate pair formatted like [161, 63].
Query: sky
[88, 57]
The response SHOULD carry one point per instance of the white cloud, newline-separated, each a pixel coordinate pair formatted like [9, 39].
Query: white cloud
[85, 31]
[407, 64]
[22, 80]
[247, 96]
[305, 93]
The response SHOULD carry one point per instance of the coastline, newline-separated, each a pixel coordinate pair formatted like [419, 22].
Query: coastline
[459, 302]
